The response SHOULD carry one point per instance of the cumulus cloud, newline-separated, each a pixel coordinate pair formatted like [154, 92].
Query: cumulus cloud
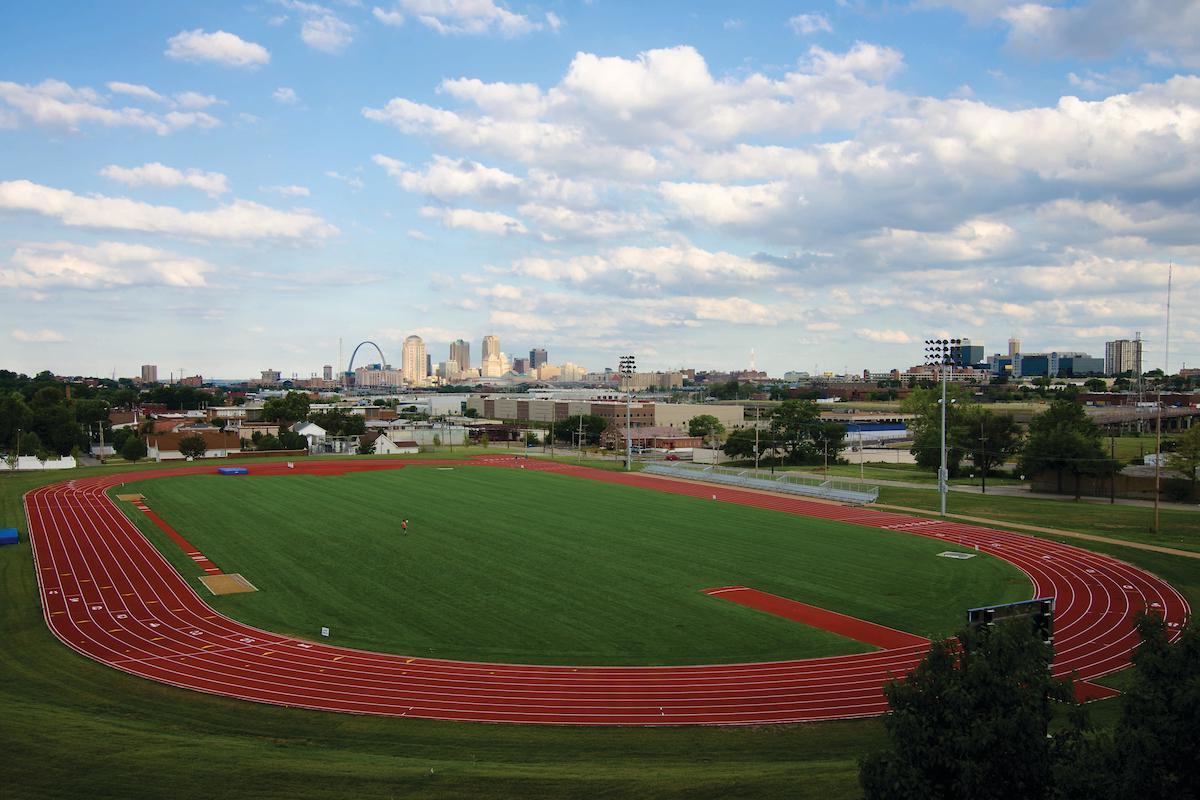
[43, 336]
[884, 336]
[134, 90]
[327, 33]
[195, 100]
[50, 266]
[219, 47]
[448, 178]
[479, 221]
[285, 95]
[469, 17]
[288, 191]
[237, 220]
[56, 104]
[161, 176]
[648, 269]
[808, 24]
[1165, 32]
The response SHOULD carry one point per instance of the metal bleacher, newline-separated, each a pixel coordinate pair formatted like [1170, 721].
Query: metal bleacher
[828, 489]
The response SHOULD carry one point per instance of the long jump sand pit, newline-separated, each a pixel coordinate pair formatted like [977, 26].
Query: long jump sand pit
[232, 583]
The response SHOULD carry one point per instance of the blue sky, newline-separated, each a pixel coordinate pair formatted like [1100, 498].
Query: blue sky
[226, 187]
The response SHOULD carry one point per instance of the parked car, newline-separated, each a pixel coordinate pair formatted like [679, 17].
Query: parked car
[671, 457]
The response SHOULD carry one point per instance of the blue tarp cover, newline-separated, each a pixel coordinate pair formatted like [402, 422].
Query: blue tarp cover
[8, 536]
[233, 470]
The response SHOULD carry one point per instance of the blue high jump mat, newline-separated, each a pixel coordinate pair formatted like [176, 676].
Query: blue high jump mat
[9, 536]
[233, 471]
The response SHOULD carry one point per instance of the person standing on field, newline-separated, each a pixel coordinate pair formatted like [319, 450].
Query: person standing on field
[404, 526]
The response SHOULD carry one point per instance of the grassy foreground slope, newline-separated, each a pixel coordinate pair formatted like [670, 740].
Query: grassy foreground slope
[526, 566]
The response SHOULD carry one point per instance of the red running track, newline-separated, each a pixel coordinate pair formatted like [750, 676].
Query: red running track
[107, 593]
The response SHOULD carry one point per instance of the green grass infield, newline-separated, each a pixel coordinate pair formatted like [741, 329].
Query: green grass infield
[532, 567]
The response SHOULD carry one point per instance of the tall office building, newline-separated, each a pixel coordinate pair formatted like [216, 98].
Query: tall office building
[415, 363]
[149, 373]
[1014, 346]
[491, 347]
[520, 365]
[327, 372]
[537, 358]
[493, 365]
[460, 352]
[1123, 355]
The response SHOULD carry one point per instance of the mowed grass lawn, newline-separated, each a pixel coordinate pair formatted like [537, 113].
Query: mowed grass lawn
[532, 567]
[1177, 528]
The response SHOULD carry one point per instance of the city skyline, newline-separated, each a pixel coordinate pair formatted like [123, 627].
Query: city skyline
[231, 185]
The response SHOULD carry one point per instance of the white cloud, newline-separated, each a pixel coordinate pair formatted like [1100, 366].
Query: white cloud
[388, 17]
[109, 265]
[353, 181]
[973, 240]
[134, 90]
[195, 100]
[218, 47]
[473, 17]
[648, 268]
[480, 221]
[448, 178]
[520, 321]
[238, 220]
[288, 191]
[161, 176]
[725, 205]
[884, 336]
[43, 336]
[808, 24]
[327, 33]
[1166, 32]
[285, 95]
[53, 103]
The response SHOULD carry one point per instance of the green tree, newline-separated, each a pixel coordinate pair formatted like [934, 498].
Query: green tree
[15, 415]
[828, 439]
[290, 440]
[267, 442]
[567, 430]
[1064, 440]
[193, 446]
[740, 443]
[1095, 385]
[926, 426]
[1154, 750]
[292, 407]
[134, 449]
[987, 439]
[471, 413]
[707, 427]
[971, 721]
[792, 426]
[1186, 458]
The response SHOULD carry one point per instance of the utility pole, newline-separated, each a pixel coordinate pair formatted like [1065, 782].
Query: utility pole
[757, 415]
[982, 456]
[1158, 428]
[1112, 481]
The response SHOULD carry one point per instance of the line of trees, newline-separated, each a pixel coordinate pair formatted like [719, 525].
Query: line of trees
[795, 434]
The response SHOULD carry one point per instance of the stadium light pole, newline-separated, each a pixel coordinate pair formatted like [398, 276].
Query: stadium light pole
[626, 367]
[941, 352]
